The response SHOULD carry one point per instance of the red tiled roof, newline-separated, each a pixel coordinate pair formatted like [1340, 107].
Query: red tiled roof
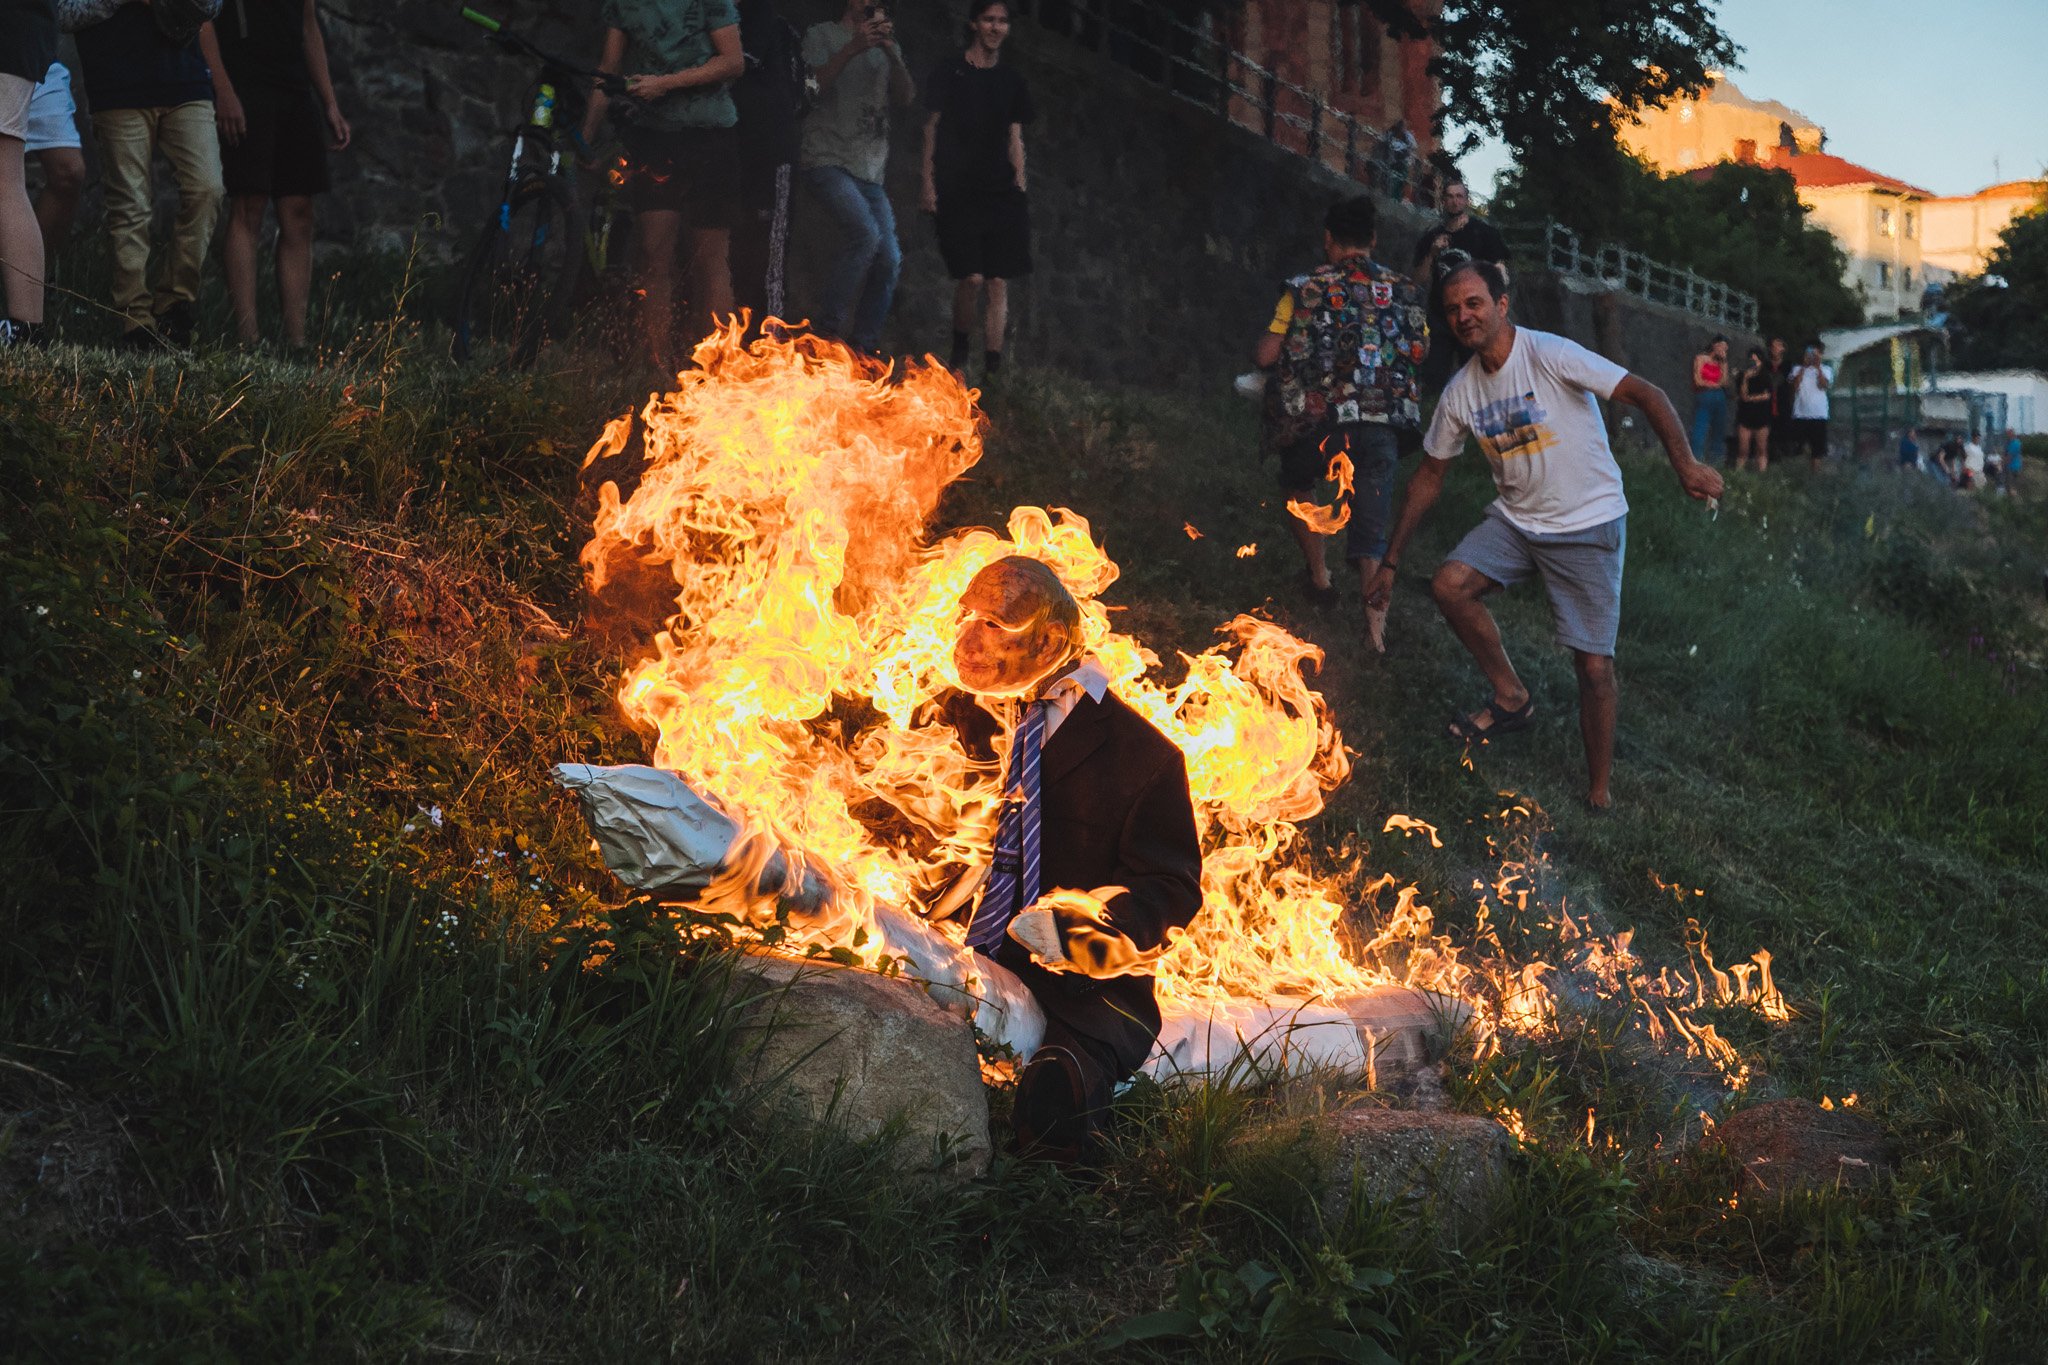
[1820, 170]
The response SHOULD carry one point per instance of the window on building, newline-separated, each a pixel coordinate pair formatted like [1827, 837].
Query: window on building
[1905, 277]
[1884, 275]
[1745, 150]
[1356, 37]
[1912, 223]
[1884, 222]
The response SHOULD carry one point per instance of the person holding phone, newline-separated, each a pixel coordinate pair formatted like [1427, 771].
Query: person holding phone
[860, 75]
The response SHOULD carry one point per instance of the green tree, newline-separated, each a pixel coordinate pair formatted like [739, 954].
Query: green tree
[1743, 225]
[1554, 79]
[2001, 316]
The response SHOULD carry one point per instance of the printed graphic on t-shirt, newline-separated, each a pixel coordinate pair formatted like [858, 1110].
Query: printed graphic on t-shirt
[1508, 428]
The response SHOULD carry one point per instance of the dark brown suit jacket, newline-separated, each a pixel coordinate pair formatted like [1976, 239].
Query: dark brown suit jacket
[1115, 811]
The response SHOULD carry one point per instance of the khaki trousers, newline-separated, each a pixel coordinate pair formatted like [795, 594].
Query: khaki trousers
[186, 135]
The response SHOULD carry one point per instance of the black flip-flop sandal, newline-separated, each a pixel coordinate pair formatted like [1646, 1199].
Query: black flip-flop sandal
[1498, 722]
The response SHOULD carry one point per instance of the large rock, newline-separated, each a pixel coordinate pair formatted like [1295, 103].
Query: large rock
[1795, 1144]
[1450, 1167]
[830, 1044]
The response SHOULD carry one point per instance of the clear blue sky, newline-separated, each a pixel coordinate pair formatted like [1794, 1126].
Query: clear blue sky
[1930, 91]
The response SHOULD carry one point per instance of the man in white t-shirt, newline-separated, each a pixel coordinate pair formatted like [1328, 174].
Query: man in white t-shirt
[1810, 382]
[1973, 463]
[1531, 400]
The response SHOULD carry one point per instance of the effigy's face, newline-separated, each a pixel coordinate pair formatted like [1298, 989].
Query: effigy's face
[1007, 639]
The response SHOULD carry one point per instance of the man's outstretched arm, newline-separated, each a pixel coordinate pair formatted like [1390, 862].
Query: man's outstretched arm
[1421, 494]
[1698, 480]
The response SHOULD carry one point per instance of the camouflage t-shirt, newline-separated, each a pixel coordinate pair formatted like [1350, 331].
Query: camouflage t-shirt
[666, 36]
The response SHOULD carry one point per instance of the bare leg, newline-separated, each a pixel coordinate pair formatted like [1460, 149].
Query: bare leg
[1598, 693]
[1458, 589]
[57, 205]
[1375, 617]
[710, 277]
[964, 295]
[655, 250]
[294, 263]
[238, 252]
[1763, 450]
[21, 240]
[996, 316]
[1744, 439]
[1311, 543]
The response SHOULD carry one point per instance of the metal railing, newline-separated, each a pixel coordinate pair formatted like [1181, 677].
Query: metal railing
[1194, 63]
[1554, 247]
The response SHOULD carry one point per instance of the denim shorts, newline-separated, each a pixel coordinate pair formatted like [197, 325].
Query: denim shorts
[1581, 573]
[1375, 451]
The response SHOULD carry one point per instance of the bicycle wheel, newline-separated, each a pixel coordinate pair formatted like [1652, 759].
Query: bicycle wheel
[520, 273]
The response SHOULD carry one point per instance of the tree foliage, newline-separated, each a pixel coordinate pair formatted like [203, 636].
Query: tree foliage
[1743, 225]
[2000, 318]
[1553, 79]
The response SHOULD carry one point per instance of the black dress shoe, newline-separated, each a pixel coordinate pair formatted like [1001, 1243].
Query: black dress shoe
[1050, 1111]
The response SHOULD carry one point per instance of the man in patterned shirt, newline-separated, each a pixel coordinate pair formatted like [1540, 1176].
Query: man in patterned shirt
[1343, 354]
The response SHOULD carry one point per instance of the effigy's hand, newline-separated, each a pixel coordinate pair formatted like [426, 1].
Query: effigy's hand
[1070, 931]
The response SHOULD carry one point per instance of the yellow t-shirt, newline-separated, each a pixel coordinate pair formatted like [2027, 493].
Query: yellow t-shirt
[1282, 315]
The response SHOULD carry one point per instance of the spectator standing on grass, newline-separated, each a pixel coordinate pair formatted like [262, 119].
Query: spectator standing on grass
[1780, 365]
[1345, 350]
[1710, 399]
[1530, 399]
[682, 153]
[1909, 450]
[1461, 236]
[976, 107]
[860, 74]
[278, 121]
[2015, 461]
[1948, 459]
[53, 142]
[28, 44]
[151, 72]
[1810, 383]
[772, 98]
[1753, 407]
[1973, 464]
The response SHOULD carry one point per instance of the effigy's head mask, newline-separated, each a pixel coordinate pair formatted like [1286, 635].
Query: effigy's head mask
[1018, 624]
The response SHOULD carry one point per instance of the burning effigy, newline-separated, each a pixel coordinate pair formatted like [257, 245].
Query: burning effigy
[809, 776]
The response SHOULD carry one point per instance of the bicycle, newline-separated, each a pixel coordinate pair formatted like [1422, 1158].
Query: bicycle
[526, 277]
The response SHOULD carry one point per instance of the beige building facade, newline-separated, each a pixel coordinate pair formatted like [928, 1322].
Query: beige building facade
[1719, 124]
[1962, 231]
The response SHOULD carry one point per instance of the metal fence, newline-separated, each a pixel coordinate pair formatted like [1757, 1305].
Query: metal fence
[1552, 246]
[1195, 62]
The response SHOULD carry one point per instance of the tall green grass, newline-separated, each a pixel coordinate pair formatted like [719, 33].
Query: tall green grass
[321, 1034]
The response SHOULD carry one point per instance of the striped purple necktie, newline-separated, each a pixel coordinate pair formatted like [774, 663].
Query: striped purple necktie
[1013, 879]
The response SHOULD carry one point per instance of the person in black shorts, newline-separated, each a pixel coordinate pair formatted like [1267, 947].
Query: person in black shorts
[977, 106]
[682, 152]
[1755, 405]
[278, 120]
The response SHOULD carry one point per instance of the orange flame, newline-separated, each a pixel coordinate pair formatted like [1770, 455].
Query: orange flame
[785, 492]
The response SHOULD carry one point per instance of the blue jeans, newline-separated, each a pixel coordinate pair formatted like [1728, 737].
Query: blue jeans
[1710, 425]
[860, 279]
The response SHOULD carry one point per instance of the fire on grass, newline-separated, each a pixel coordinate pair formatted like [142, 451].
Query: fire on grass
[786, 490]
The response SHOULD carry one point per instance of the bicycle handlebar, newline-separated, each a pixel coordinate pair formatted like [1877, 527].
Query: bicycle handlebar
[614, 86]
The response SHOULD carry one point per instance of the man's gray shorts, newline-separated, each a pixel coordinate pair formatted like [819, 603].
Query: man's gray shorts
[1581, 573]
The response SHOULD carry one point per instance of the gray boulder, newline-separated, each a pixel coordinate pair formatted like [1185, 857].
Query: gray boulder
[1448, 1166]
[865, 1053]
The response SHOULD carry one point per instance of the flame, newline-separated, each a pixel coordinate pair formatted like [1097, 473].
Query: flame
[1329, 520]
[796, 679]
[1189, 527]
[1247, 551]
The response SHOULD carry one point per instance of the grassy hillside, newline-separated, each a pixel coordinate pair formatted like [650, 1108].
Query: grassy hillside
[296, 1060]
